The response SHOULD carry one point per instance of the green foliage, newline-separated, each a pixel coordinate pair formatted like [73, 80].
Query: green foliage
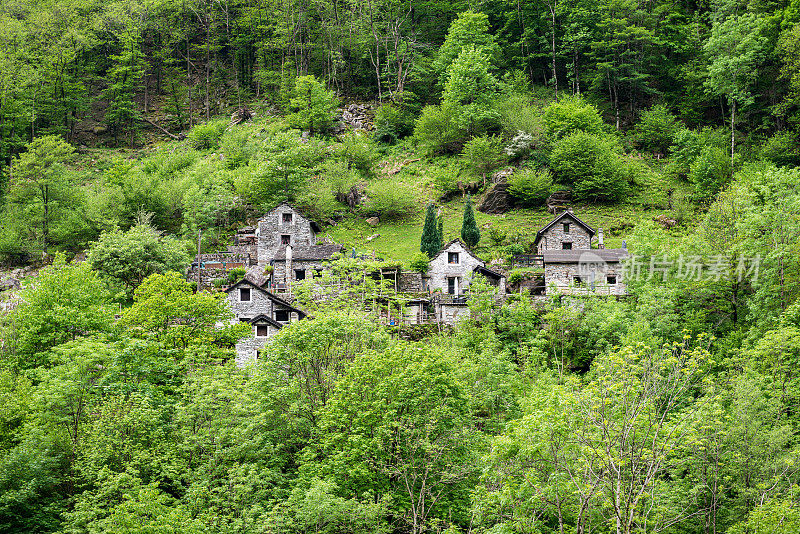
[531, 186]
[483, 154]
[656, 129]
[710, 172]
[592, 165]
[469, 29]
[312, 105]
[391, 200]
[393, 122]
[130, 257]
[419, 263]
[359, 152]
[470, 233]
[569, 115]
[439, 129]
[67, 301]
[431, 241]
[782, 148]
[207, 135]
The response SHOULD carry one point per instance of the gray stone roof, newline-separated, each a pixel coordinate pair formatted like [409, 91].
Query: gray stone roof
[309, 252]
[608, 255]
[563, 214]
[463, 246]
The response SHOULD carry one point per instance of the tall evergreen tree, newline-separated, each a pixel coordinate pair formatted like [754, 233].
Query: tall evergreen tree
[431, 241]
[440, 230]
[470, 233]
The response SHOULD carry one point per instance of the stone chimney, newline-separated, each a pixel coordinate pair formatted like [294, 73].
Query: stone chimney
[600, 242]
[288, 264]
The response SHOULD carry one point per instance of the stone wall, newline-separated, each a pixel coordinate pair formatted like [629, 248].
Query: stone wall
[451, 313]
[559, 278]
[259, 304]
[411, 282]
[271, 227]
[555, 236]
[440, 270]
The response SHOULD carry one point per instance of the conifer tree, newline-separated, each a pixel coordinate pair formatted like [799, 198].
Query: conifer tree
[431, 241]
[440, 230]
[470, 233]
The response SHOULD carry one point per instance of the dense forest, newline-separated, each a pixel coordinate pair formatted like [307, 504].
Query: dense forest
[671, 125]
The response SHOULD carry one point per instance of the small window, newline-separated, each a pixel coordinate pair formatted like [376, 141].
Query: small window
[299, 274]
[566, 228]
[566, 246]
[287, 218]
[282, 316]
[286, 239]
[317, 273]
[452, 257]
[451, 285]
[577, 280]
[244, 294]
[244, 320]
[611, 280]
[262, 330]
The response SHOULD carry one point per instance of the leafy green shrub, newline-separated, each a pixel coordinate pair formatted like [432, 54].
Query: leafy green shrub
[439, 129]
[234, 275]
[710, 172]
[238, 146]
[445, 179]
[783, 148]
[531, 187]
[483, 154]
[688, 144]
[592, 165]
[392, 123]
[390, 200]
[518, 114]
[312, 105]
[207, 135]
[497, 236]
[359, 152]
[419, 263]
[571, 114]
[656, 129]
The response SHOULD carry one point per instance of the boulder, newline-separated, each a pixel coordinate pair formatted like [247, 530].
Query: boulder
[496, 200]
[373, 221]
[558, 201]
[352, 197]
[373, 236]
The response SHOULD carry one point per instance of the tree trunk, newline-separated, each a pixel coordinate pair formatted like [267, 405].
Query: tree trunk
[733, 130]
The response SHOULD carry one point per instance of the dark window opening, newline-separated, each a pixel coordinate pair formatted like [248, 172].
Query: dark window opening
[452, 257]
[287, 218]
[244, 294]
[244, 320]
[611, 280]
[566, 246]
[577, 280]
[299, 274]
[262, 330]
[282, 316]
[286, 239]
[317, 273]
[451, 285]
[566, 228]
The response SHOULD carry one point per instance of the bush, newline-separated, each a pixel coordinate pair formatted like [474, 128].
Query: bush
[519, 115]
[359, 152]
[392, 123]
[656, 129]
[312, 105]
[569, 115]
[497, 236]
[520, 146]
[390, 200]
[710, 172]
[483, 154]
[234, 275]
[783, 148]
[531, 187]
[207, 135]
[238, 146]
[592, 165]
[439, 130]
[419, 263]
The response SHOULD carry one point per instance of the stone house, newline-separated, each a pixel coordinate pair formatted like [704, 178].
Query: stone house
[565, 232]
[585, 272]
[283, 226]
[451, 270]
[296, 263]
[264, 310]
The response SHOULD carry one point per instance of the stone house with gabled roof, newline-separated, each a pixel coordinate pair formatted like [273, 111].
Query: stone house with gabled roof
[565, 232]
[451, 269]
[284, 225]
[264, 310]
